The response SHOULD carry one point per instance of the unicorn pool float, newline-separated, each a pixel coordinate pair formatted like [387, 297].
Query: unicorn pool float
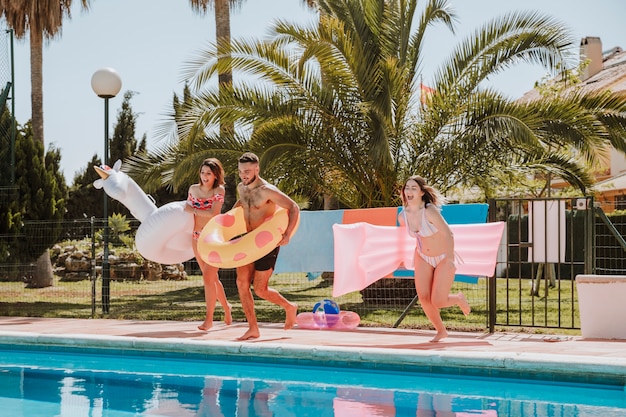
[164, 235]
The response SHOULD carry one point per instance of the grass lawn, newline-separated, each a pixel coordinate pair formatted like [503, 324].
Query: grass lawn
[183, 300]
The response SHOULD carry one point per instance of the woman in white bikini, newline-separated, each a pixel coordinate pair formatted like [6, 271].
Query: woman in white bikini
[205, 200]
[435, 258]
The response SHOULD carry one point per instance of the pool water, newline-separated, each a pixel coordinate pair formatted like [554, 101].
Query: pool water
[45, 382]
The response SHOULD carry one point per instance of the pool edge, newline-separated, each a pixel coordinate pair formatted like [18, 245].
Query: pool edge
[558, 368]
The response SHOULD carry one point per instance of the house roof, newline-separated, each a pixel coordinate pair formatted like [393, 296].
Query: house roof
[615, 183]
[612, 76]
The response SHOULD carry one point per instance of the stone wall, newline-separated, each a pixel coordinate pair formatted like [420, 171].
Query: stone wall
[73, 264]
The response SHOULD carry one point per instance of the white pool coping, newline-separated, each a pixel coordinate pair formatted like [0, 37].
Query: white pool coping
[569, 367]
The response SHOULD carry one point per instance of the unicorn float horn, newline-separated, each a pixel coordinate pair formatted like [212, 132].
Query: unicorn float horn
[124, 189]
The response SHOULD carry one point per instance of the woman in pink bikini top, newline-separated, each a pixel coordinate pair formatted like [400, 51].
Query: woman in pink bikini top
[205, 200]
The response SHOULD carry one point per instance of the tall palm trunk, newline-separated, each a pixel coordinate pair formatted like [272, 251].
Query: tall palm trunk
[36, 81]
[42, 275]
[222, 35]
[225, 80]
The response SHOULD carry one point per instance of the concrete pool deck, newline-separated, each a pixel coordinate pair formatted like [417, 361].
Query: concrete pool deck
[511, 352]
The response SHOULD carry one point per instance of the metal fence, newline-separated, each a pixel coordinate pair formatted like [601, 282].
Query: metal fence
[7, 128]
[547, 243]
[544, 246]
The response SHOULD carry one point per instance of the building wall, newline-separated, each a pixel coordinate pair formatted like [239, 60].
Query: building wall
[618, 162]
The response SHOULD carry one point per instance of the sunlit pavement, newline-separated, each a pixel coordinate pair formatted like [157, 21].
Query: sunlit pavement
[556, 357]
[361, 338]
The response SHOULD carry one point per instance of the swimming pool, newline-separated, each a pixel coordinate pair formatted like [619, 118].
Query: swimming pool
[48, 380]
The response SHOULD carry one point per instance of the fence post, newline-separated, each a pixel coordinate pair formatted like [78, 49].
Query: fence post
[491, 281]
[590, 237]
[93, 268]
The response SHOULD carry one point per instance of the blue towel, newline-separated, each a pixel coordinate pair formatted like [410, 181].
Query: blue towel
[311, 248]
[465, 213]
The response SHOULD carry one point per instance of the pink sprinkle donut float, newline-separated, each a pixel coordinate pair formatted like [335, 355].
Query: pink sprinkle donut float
[326, 315]
[225, 243]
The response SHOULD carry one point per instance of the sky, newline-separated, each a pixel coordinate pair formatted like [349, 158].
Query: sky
[149, 41]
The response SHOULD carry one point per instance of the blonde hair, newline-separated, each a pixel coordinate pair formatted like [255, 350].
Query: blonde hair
[431, 195]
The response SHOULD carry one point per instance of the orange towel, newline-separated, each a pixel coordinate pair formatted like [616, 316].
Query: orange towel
[382, 216]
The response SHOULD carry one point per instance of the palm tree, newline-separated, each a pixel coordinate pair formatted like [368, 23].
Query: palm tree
[223, 39]
[335, 108]
[498, 139]
[40, 21]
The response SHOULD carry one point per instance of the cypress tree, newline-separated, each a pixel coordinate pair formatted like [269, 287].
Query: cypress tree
[33, 218]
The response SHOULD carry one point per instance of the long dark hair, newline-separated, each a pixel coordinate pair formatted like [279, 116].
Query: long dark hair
[216, 167]
[431, 195]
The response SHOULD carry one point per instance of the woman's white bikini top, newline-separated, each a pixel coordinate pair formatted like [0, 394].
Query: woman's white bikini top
[426, 228]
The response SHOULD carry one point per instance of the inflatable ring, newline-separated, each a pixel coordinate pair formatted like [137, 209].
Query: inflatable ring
[225, 243]
[326, 315]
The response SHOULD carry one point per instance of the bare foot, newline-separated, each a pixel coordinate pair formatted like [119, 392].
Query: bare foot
[463, 304]
[250, 334]
[228, 318]
[291, 314]
[440, 335]
[206, 326]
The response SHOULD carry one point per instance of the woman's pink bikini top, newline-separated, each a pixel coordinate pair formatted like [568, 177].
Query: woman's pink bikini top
[204, 203]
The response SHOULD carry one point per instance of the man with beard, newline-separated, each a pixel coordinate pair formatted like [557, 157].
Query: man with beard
[259, 200]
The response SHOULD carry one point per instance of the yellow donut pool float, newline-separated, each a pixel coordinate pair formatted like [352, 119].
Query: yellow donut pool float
[225, 243]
